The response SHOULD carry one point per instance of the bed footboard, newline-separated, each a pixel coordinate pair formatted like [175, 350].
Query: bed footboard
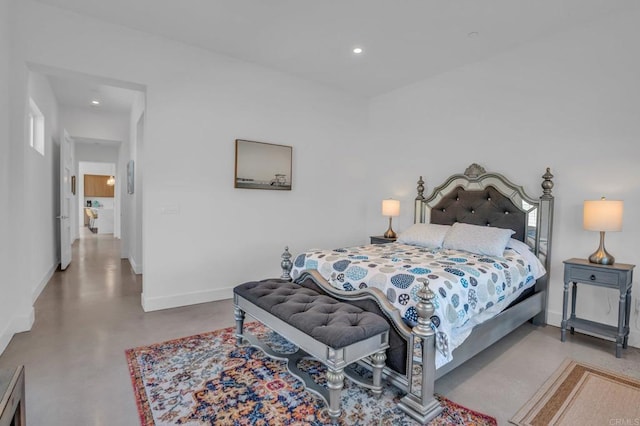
[419, 401]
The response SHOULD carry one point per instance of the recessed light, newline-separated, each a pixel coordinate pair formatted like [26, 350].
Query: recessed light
[95, 102]
[357, 50]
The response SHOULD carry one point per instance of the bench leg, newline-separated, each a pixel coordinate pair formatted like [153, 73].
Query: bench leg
[238, 314]
[335, 383]
[377, 362]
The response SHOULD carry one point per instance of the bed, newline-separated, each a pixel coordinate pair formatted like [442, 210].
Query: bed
[472, 268]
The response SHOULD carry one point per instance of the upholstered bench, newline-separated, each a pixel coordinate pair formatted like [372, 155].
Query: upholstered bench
[335, 333]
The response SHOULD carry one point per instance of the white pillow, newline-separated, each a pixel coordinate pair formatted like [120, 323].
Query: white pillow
[478, 239]
[424, 234]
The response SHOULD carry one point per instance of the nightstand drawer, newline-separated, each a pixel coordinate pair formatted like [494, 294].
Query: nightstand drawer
[380, 239]
[589, 275]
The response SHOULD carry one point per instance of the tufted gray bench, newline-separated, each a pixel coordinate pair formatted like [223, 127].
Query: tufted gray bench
[335, 333]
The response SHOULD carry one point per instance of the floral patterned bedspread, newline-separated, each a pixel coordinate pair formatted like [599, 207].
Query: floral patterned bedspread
[470, 288]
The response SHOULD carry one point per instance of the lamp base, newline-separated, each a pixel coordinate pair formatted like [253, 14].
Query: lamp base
[390, 232]
[602, 256]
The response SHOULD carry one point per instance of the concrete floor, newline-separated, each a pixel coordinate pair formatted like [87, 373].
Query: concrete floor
[76, 371]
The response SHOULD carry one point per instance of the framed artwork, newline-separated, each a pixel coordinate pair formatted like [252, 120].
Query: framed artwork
[130, 177]
[261, 165]
[73, 185]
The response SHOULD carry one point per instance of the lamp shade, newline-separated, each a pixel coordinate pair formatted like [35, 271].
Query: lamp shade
[390, 207]
[603, 215]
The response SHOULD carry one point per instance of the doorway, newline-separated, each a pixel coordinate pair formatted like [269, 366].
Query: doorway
[98, 198]
[98, 114]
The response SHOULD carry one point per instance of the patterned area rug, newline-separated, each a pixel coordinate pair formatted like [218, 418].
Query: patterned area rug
[207, 380]
[581, 394]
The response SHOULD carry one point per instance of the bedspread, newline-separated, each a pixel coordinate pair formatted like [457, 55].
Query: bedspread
[469, 288]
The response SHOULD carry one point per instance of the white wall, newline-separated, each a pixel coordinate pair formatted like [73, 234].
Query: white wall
[8, 291]
[99, 153]
[32, 199]
[134, 247]
[570, 102]
[198, 103]
[17, 282]
[42, 190]
[131, 218]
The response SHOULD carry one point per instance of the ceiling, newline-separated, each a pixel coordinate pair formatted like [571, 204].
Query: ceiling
[404, 41]
[71, 91]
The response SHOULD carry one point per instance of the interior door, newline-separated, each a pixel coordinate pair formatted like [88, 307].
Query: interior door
[66, 200]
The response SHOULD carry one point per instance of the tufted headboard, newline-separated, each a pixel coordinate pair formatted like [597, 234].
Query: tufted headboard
[486, 206]
[480, 198]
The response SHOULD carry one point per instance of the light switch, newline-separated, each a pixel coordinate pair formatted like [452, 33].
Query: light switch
[166, 210]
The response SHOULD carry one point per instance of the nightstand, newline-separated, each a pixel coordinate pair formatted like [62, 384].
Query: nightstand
[381, 239]
[618, 276]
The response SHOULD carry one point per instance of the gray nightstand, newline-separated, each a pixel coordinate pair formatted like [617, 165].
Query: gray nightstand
[618, 276]
[381, 240]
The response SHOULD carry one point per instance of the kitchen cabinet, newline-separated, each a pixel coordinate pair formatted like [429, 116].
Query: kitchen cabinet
[96, 186]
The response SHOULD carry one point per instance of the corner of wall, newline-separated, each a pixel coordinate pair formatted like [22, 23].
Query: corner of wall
[18, 324]
[137, 267]
[185, 299]
[5, 337]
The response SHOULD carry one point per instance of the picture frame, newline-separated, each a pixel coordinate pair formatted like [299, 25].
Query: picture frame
[73, 185]
[261, 165]
[130, 177]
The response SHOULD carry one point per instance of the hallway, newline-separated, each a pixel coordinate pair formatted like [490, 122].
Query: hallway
[76, 371]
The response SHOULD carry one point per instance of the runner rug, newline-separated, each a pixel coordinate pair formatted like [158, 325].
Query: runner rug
[581, 394]
[208, 379]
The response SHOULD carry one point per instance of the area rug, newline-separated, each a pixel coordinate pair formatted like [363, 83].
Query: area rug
[208, 380]
[581, 394]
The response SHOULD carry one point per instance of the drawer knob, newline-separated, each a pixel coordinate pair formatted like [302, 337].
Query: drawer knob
[592, 277]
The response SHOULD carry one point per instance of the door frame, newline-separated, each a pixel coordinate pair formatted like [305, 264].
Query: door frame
[66, 199]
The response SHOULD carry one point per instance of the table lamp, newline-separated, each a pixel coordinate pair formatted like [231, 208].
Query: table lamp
[390, 208]
[602, 215]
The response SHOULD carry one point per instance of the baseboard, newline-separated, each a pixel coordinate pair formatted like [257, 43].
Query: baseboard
[167, 302]
[5, 337]
[18, 324]
[43, 283]
[555, 318]
[24, 322]
[137, 268]
[634, 338]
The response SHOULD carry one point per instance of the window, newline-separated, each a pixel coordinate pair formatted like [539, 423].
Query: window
[36, 127]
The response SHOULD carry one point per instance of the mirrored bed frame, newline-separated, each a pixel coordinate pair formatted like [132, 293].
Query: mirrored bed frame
[474, 197]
